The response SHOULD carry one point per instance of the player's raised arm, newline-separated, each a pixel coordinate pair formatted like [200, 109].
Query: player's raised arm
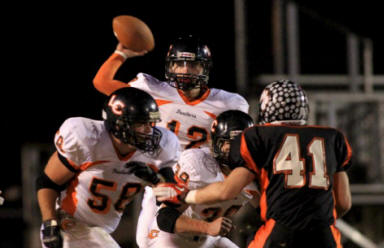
[104, 79]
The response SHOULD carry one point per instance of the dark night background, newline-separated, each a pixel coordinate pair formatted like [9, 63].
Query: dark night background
[56, 49]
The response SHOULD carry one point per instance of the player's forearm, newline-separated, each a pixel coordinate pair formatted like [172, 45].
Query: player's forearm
[104, 78]
[215, 192]
[47, 199]
[221, 191]
[185, 224]
[342, 194]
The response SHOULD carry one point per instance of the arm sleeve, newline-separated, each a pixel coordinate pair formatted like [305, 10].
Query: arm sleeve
[243, 148]
[104, 79]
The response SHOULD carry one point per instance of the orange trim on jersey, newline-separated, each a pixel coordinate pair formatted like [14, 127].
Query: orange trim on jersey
[123, 158]
[264, 182]
[86, 165]
[69, 203]
[126, 157]
[162, 102]
[336, 235]
[153, 234]
[334, 208]
[212, 115]
[247, 156]
[349, 153]
[262, 234]
[194, 102]
[104, 79]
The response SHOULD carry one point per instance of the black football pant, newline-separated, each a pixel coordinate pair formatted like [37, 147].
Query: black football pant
[279, 236]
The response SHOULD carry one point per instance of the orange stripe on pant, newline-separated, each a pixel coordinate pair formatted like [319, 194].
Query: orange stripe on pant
[336, 235]
[262, 234]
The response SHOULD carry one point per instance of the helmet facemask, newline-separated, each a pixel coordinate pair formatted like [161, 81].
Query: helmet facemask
[123, 129]
[187, 81]
[219, 153]
[191, 52]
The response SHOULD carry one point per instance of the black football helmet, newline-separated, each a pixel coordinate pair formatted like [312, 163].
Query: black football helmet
[188, 49]
[128, 106]
[283, 101]
[226, 127]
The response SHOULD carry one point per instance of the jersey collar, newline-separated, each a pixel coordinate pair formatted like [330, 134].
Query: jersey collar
[197, 101]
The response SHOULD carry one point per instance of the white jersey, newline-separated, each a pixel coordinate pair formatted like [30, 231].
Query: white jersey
[190, 121]
[102, 187]
[197, 168]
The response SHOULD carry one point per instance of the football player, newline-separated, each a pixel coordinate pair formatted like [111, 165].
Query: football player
[301, 171]
[99, 166]
[187, 105]
[197, 168]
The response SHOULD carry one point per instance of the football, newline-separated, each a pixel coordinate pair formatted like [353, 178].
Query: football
[133, 33]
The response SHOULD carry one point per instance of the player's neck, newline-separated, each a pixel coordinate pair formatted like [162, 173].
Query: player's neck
[194, 94]
[121, 148]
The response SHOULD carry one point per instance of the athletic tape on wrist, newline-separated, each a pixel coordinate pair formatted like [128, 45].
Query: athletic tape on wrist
[121, 54]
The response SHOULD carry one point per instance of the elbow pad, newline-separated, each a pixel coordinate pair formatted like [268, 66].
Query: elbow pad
[166, 219]
[43, 181]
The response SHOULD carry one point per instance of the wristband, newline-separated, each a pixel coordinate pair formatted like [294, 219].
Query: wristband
[121, 54]
[190, 198]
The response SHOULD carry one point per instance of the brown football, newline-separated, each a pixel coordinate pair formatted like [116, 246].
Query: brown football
[133, 33]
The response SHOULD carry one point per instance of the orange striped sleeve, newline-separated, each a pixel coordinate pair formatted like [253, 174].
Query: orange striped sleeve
[349, 153]
[247, 156]
[264, 182]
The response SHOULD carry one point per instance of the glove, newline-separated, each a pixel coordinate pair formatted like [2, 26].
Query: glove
[51, 236]
[220, 226]
[143, 171]
[171, 193]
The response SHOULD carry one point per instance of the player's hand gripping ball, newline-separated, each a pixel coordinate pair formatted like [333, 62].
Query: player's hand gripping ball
[133, 33]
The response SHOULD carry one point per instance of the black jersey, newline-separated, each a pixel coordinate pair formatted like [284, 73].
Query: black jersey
[294, 166]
